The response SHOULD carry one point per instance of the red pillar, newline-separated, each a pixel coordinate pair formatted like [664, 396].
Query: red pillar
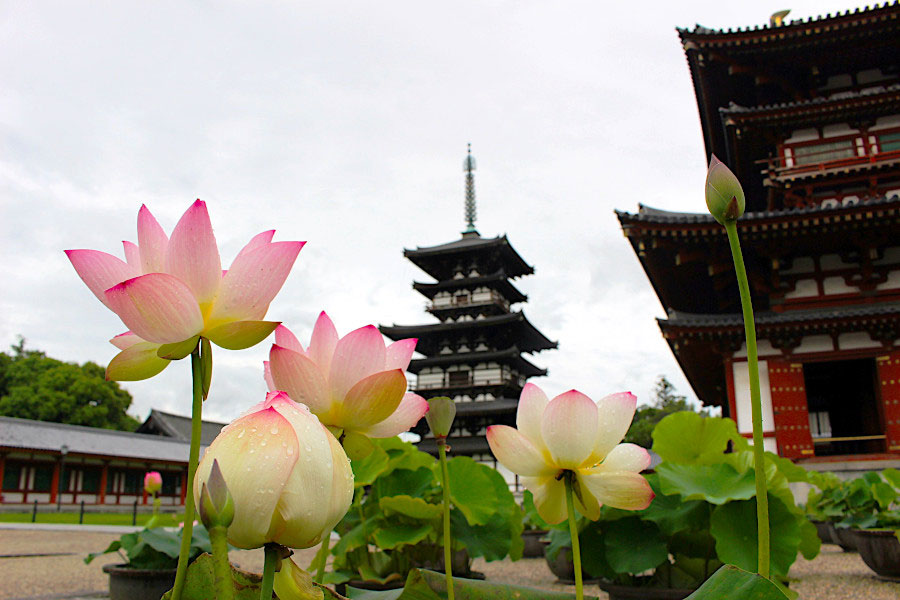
[54, 484]
[729, 387]
[2, 465]
[183, 487]
[889, 382]
[790, 410]
[104, 475]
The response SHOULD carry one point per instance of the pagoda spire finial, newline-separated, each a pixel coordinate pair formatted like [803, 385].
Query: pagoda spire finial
[469, 168]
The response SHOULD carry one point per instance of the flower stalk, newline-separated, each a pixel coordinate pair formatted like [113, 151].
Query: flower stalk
[193, 458]
[573, 532]
[218, 539]
[272, 556]
[762, 500]
[445, 488]
[320, 559]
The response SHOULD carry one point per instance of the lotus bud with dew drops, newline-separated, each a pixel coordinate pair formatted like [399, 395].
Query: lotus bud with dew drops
[572, 434]
[289, 478]
[440, 415]
[354, 384]
[170, 291]
[724, 194]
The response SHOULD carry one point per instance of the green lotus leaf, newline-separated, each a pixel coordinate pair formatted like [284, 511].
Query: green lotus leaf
[733, 582]
[715, 483]
[633, 545]
[414, 508]
[709, 438]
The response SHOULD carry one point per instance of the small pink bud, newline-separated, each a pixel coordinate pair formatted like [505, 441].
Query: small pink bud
[152, 482]
[724, 195]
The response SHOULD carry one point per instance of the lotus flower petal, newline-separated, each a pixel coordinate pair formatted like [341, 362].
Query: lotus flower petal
[192, 254]
[152, 241]
[253, 281]
[532, 403]
[286, 339]
[300, 378]
[125, 340]
[301, 502]
[373, 399]
[357, 355]
[257, 241]
[626, 457]
[239, 335]
[516, 452]
[158, 307]
[399, 354]
[132, 257]
[322, 343]
[136, 362]
[410, 411]
[585, 502]
[100, 271]
[549, 497]
[619, 489]
[264, 437]
[267, 375]
[569, 428]
[616, 413]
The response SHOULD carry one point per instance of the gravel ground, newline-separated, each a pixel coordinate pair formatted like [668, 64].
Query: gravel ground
[833, 575]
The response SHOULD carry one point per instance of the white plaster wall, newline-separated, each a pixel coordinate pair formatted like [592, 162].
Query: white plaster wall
[891, 256]
[833, 261]
[858, 339]
[803, 135]
[886, 122]
[892, 283]
[742, 397]
[804, 289]
[763, 348]
[837, 285]
[815, 343]
[837, 129]
[801, 264]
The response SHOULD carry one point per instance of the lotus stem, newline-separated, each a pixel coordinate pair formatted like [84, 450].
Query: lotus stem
[445, 487]
[219, 542]
[759, 465]
[573, 532]
[321, 558]
[273, 554]
[196, 421]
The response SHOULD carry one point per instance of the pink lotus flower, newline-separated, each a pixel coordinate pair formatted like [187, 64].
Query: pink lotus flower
[152, 482]
[289, 478]
[353, 383]
[573, 433]
[172, 290]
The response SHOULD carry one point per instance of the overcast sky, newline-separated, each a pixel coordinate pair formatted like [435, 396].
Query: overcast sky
[345, 124]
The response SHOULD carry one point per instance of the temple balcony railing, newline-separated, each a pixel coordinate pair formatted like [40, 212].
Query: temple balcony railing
[858, 149]
[466, 301]
[447, 382]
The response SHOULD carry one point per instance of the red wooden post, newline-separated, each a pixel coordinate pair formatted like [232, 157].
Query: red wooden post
[889, 382]
[183, 486]
[104, 474]
[790, 410]
[2, 466]
[54, 483]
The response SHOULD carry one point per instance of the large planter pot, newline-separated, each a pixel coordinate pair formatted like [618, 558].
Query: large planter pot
[360, 584]
[138, 584]
[823, 529]
[640, 592]
[843, 537]
[880, 550]
[532, 540]
[563, 566]
[431, 557]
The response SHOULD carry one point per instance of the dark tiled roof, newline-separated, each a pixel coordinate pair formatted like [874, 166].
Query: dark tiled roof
[44, 436]
[424, 257]
[530, 338]
[790, 317]
[647, 214]
[497, 280]
[178, 427]
[876, 93]
[795, 27]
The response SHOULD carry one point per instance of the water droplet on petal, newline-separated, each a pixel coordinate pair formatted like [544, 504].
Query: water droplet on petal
[274, 431]
[241, 434]
[289, 451]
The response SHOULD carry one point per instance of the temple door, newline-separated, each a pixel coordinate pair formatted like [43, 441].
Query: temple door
[789, 409]
[889, 380]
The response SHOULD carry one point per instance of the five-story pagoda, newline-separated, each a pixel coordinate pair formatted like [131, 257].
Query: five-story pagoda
[473, 354]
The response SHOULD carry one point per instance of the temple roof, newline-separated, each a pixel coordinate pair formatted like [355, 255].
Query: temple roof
[26, 434]
[498, 281]
[178, 427]
[511, 356]
[514, 326]
[796, 29]
[440, 261]
[726, 324]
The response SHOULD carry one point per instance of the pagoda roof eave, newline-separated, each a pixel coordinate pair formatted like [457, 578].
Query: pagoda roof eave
[653, 219]
[538, 340]
[515, 264]
[798, 29]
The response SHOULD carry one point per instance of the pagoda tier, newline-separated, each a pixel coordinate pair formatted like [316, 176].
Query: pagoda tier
[789, 254]
[807, 115]
[799, 75]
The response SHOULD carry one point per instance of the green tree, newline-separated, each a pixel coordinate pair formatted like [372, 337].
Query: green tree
[666, 401]
[35, 386]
